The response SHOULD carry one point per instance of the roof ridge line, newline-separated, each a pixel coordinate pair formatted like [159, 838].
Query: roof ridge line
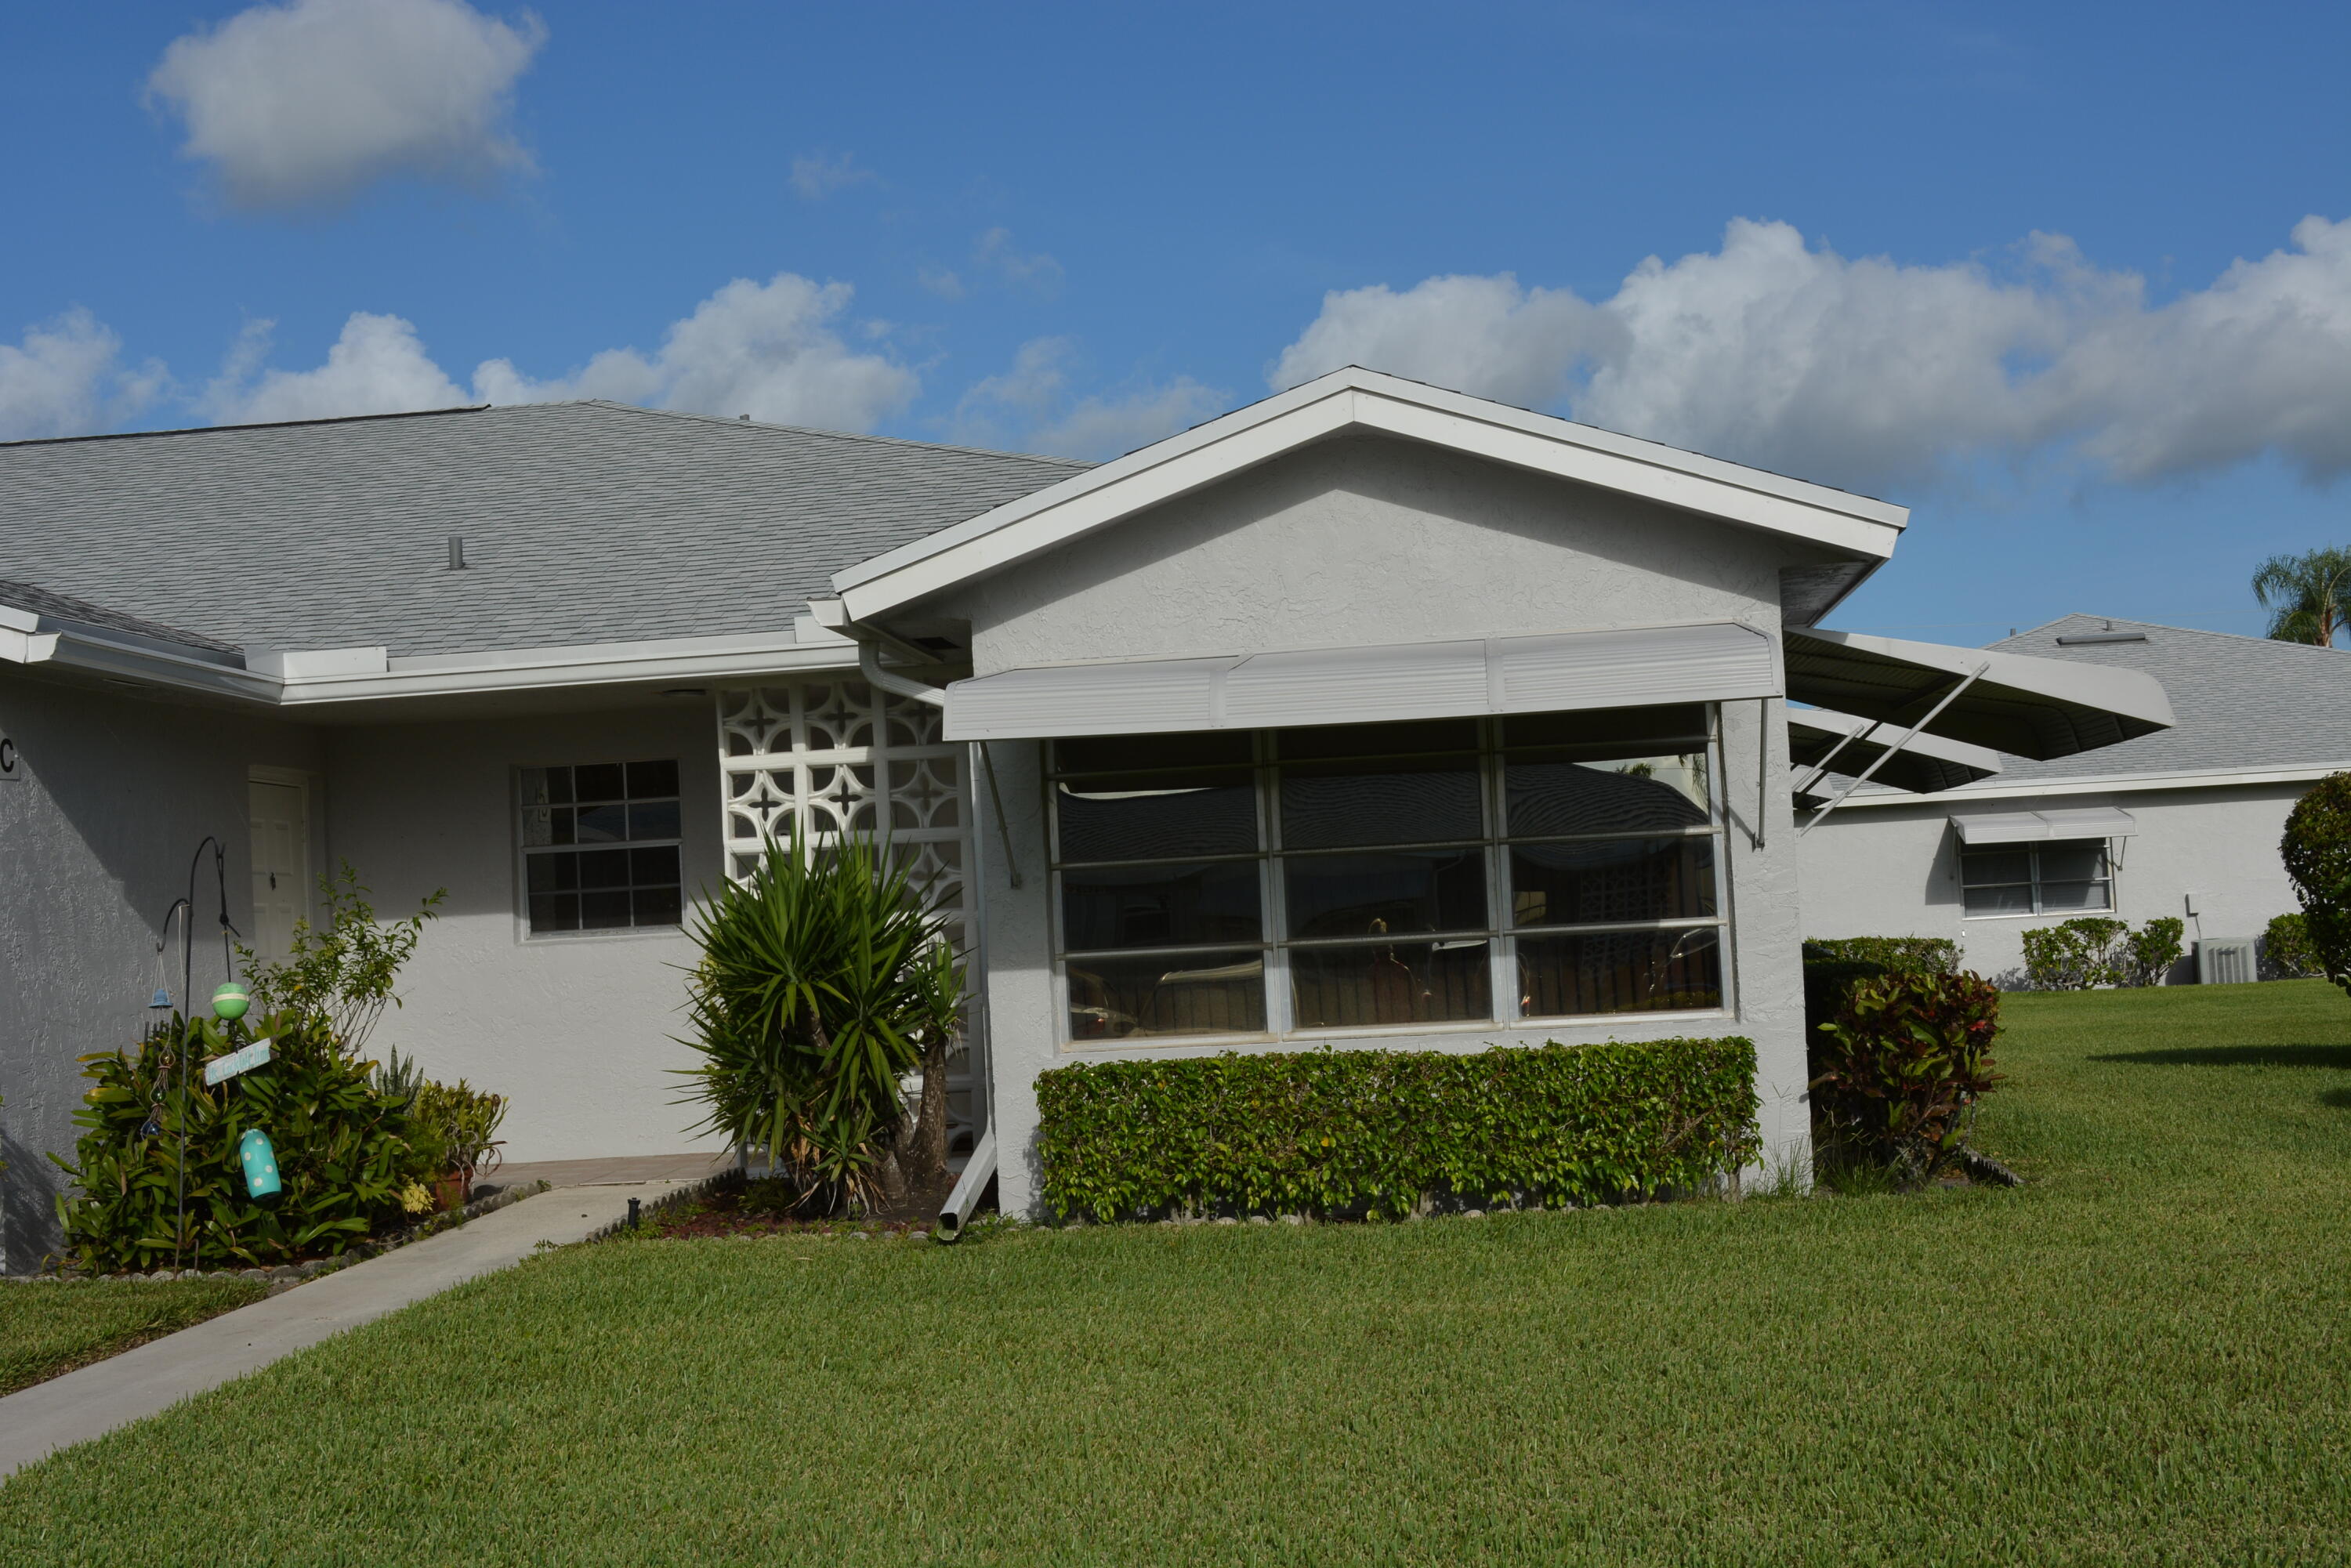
[257, 424]
[1076, 463]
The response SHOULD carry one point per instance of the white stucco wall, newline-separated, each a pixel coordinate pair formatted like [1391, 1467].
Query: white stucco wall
[1893, 870]
[95, 842]
[575, 1030]
[1375, 541]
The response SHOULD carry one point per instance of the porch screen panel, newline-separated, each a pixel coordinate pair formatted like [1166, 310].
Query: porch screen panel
[1427, 874]
[842, 756]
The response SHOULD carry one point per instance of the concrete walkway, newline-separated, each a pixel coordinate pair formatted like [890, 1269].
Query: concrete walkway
[95, 1399]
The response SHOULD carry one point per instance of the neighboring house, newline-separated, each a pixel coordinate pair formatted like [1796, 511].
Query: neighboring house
[2184, 822]
[1370, 714]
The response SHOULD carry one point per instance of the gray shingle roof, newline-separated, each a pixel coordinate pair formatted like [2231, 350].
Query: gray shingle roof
[65, 607]
[2240, 702]
[584, 522]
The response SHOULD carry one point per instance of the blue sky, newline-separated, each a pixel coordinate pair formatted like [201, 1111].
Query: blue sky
[1079, 227]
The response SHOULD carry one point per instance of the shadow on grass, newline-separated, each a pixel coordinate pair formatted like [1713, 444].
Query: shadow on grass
[2337, 1056]
[2338, 1098]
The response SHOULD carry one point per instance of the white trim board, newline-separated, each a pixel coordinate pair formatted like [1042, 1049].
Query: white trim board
[1855, 527]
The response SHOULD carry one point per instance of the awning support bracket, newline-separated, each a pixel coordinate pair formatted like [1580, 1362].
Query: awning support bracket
[1821, 770]
[1890, 752]
[1762, 768]
[1003, 828]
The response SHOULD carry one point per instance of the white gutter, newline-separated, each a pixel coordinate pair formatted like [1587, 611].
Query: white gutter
[956, 1212]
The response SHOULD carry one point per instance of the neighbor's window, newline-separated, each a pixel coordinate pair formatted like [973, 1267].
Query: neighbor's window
[1442, 872]
[2070, 877]
[599, 846]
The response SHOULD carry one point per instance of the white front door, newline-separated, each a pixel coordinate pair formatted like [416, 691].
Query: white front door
[281, 866]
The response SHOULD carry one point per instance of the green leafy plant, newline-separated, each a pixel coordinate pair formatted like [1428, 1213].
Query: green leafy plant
[2317, 853]
[1892, 955]
[2076, 955]
[1896, 1076]
[343, 1150]
[1330, 1131]
[2286, 953]
[2308, 596]
[460, 1123]
[2153, 949]
[342, 974]
[817, 992]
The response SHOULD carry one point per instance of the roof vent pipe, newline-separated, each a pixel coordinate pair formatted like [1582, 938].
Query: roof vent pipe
[457, 552]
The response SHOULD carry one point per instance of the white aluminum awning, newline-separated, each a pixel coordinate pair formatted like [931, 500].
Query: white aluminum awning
[1711, 661]
[1929, 763]
[2040, 827]
[2025, 706]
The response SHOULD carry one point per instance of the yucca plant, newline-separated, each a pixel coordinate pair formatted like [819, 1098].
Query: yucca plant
[813, 998]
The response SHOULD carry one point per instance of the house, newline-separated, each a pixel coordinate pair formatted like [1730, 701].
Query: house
[1370, 714]
[2183, 821]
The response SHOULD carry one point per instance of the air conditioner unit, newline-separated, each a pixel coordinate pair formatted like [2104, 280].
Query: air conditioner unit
[2226, 961]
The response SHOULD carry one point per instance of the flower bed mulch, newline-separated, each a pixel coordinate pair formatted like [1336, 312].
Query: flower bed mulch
[764, 1208]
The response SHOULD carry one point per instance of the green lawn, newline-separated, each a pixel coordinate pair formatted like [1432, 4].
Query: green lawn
[2141, 1357]
[45, 1330]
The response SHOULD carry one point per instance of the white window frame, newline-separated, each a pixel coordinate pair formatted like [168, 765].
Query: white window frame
[523, 851]
[1501, 936]
[2034, 848]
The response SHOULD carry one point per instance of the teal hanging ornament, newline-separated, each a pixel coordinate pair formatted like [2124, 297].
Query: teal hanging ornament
[161, 999]
[230, 1001]
[260, 1162]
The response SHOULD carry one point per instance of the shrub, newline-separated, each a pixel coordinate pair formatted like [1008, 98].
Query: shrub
[2317, 853]
[341, 975]
[1329, 1131]
[814, 997]
[1899, 1073]
[2286, 953]
[2153, 949]
[343, 1148]
[1833, 964]
[2076, 955]
[459, 1125]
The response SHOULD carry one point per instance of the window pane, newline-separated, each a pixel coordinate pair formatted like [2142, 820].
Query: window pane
[1160, 907]
[2074, 862]
[1549, 797]
[2007, 898]
[538, 826]
[603, 824]
[1393, 983]
[534, 787]
[1612, 732]
[650, 778]
[1157, 816]
[1619, 972]
[652, 868]
[1124, 753]
[2073, 897]
[604, 911]
[1200, 993]
[603, 868]
[1378, 739]
[658, 821]
[560, 825]
[1611, 879]
[1398, 891]
[552, 874]
[554, 911]
[1985, 867]
[600, 782]
[1329, 805]
[655, 905]
[558, 786]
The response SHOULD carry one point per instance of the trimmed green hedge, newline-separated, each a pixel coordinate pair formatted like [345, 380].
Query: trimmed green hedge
[1328, 1130]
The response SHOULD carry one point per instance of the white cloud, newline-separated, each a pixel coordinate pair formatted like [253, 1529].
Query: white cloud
[941, 282]
[63, 379]
[767, 350]
[1023, 269]
[1029, 408]
[376, 366]
[311, 101]
[1865, 371]
[819, 176]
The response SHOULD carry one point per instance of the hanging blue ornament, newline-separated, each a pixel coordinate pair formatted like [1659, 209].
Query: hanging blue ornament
[162, 999]
[151, 1128]
[260, 1162]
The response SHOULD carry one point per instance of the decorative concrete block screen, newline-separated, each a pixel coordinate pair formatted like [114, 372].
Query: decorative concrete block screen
[843, 757]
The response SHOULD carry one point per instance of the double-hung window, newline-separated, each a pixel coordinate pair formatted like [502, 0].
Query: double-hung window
[1445, 872]
[599, 846]
[2069, 876]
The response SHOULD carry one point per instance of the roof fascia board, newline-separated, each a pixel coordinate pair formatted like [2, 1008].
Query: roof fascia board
[2102, 784]
[679, 659]
[1358, 399]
